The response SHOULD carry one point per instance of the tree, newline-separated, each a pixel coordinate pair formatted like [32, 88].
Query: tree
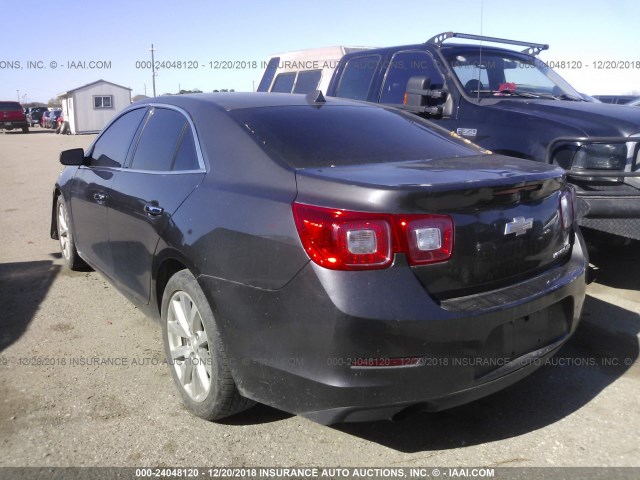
[33, 104]
[54, 103]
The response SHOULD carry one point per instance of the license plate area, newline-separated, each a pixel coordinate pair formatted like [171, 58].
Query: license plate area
[525, 335]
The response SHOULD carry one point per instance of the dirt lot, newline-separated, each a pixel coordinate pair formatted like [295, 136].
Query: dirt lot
[56, 410]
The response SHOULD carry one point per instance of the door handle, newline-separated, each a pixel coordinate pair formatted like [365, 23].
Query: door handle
[99, 197]
[153, 210]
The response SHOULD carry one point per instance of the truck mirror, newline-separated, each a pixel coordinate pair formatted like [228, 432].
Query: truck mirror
[416, 94]
[420, 98]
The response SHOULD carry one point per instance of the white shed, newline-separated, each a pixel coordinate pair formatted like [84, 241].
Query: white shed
[90, 107]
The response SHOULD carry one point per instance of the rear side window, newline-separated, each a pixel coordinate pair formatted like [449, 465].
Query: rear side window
[357, 77]
[113, 145]
[307, 81]
[166, 143]
[310, 137]
[405, 65]
[186, 157]
[284, 83]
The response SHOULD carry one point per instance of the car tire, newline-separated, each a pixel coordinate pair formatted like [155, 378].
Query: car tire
[25, 129]
[64, 129]
[65, 236]
[192, 346]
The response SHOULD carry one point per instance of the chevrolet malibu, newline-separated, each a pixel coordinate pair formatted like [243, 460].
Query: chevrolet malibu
[334, 259]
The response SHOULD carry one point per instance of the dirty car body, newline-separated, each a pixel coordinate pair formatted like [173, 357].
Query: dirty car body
[357, 260]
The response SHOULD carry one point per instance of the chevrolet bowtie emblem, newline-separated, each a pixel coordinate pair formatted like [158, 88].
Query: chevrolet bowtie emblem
[519, 226]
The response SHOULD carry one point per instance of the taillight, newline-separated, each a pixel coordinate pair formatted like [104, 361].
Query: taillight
[566, 209]
[344, 240]
[348, 240]
[429, 238]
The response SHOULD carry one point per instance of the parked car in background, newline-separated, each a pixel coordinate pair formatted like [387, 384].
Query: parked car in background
[12, 116]
[52, 119]
[339, 260]
[62, 126]
[45, 118]
[616, 99]
[35, 115]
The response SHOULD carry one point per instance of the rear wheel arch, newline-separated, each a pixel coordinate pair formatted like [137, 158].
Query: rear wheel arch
[166, 269]
[194, 350]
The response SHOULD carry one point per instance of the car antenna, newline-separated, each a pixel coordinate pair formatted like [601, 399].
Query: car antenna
[480, 57]
[315, 96]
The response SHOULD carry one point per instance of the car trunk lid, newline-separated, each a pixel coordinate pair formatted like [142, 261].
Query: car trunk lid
[506, 213]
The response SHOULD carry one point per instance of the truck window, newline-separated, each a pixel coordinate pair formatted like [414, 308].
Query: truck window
[486, 74]
[269, 73]
[526, 75]
[307, 81]
[357, 77]
[472, 76]
[405, 65]
[284, 83]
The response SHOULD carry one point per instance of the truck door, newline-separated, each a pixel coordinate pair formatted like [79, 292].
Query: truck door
[357, 77]
[402, 67]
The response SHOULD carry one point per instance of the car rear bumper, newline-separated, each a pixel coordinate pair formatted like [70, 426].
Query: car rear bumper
[10, 125]
[304, 348]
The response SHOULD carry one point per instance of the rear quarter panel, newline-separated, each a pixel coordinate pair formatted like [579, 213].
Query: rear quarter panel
[238, 224]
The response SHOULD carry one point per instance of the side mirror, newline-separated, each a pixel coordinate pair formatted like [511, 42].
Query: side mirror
[417, 87]
[420, 98]
[74, 157]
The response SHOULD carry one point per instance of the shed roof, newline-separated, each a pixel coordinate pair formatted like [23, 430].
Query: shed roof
[69, 92]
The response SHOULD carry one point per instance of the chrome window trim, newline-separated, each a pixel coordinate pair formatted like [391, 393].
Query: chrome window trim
[196, 139]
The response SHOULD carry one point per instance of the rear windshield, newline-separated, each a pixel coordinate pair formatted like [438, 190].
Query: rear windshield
[315, 137]
[15, 106]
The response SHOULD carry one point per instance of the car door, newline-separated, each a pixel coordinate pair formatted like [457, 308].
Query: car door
[90, 191]
[164, 169]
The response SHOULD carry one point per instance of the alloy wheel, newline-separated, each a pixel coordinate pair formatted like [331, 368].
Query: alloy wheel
[189, 346]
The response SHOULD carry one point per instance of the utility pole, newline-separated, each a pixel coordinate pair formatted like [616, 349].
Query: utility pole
[18, 92]
[153, 70]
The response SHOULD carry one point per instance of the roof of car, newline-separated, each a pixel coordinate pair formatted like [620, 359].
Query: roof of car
[430, 47]
[239, 100]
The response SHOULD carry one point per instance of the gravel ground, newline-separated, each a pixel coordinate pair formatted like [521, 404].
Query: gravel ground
[583, 410]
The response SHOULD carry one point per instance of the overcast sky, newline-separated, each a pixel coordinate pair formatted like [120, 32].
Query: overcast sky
[49, 47]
